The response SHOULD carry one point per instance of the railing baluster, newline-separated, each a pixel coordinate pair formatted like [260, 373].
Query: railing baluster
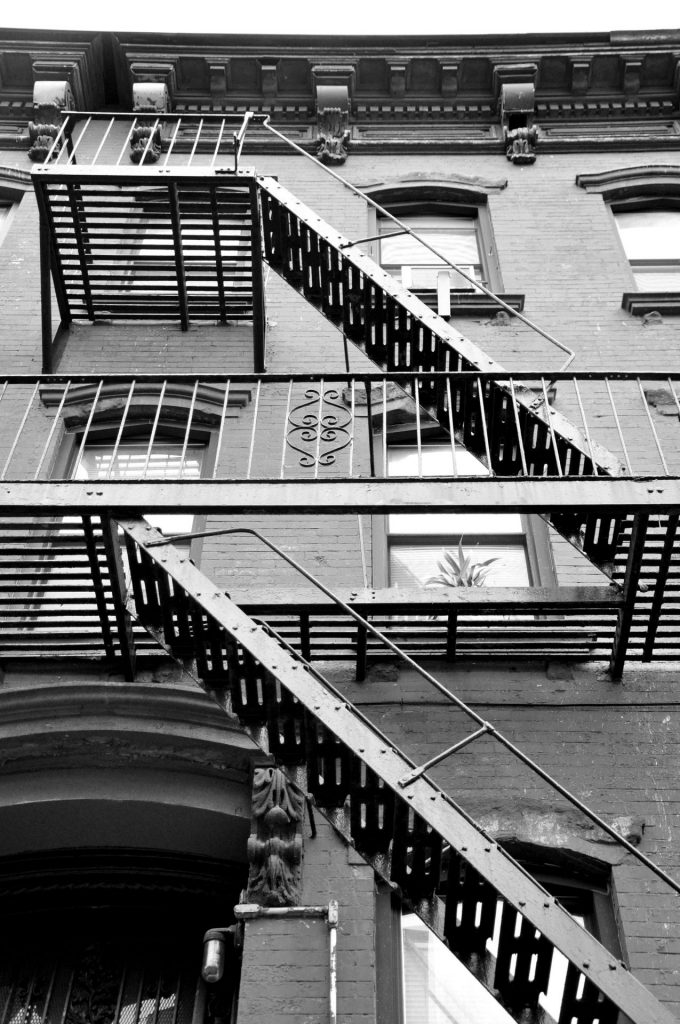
[449, 402]
[172, 142]
[112, 121]
[81, 450]
[149, 142]
[384, 427]
[419, 443]
[319, 430]
[57, 139]
[352, 429]
[220, 435]
[20, 430]
[652, 427]
[585, 427]
[121, 428]
[482, 408]
[518, 427]
[187, 432]
[550, 427]
[218, 144]
[72, 154]
[252, 435]
[284, 441]
[195, 145]
[127, 142]
[154, 428]
[56, 421]
[629, 464]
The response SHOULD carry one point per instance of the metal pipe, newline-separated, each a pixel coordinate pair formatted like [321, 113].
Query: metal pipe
[333, 961]
[438, 758]
[404, 228]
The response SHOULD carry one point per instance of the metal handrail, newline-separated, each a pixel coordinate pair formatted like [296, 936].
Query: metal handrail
[436, 252]
[485, 726]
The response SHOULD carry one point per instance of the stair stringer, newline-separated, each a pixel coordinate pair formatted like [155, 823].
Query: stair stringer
[309, 722]
[398, 332]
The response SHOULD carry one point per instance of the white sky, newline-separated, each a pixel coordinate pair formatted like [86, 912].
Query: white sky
[360, 17]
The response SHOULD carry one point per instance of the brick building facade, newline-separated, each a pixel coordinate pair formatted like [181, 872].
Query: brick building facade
[462, 345]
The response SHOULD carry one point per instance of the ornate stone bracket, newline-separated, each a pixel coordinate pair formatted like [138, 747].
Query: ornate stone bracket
[517, 103]
[333, 87]
[145, 140]
[275, 843]
[50, 101]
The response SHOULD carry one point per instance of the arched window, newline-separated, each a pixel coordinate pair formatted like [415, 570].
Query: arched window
[454, 218]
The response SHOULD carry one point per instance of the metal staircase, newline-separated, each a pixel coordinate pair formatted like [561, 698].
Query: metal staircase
[413, 832]
[509, 427]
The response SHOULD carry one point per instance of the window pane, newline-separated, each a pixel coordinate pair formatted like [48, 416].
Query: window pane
[165, 463]
[437, 460]
[656, 280]
[650, 234]
[437, 988]
[454, 237]
[411, 565]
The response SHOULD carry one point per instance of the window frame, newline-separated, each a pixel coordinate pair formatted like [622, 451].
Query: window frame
[415, 205]
[627, 189]
[640, 204]
[584, 882]
[536, 541]
[167, 432]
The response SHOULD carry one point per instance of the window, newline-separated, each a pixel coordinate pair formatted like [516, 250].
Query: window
[137, 460]
[438, 989]
[651, 240]
[415, 542]
[456, 237]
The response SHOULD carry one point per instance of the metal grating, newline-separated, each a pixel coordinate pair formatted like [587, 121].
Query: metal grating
[161, 250]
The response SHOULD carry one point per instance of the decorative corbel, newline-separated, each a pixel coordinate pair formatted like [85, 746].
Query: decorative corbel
[397, 78]
[269, 79]
[632, 76]
[50, 101]
[218, 73]
[580, 76]
[450, 80]
[333, 88]
[275, 842]
[517, 120]
[148, 98]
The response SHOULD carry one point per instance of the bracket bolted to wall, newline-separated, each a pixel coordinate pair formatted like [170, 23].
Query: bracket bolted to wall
[51, 100]
[516, 94]
[333, 87]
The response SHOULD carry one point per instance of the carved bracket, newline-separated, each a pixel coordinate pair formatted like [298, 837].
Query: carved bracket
[518, 102]
[275, 843]
[145, 139]
[50, 101]
[333, 88]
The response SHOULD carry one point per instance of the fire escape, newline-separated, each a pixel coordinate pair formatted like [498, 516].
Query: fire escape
[182, 235]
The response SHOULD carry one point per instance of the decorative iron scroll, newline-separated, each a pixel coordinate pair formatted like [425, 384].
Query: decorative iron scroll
[275, 844]
[318, 428]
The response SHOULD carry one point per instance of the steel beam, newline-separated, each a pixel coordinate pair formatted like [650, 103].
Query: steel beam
[347, 497]
[390, 600]
[432, 804]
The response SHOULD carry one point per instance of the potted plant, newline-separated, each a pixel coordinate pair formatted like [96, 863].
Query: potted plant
[461, 572]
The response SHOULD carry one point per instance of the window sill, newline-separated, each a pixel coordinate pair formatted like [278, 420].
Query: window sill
[641, 303]
[470, 303]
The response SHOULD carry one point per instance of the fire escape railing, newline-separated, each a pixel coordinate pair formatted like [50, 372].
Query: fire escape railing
[309, 444]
